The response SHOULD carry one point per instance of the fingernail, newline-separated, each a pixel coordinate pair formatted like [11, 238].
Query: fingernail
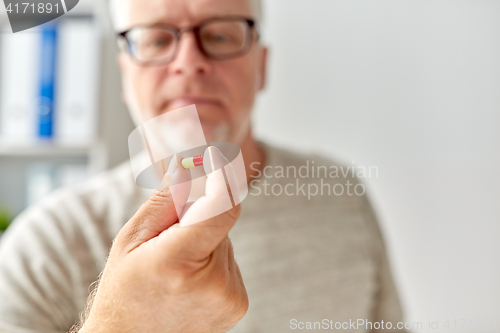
[213, 159]
[172, 167]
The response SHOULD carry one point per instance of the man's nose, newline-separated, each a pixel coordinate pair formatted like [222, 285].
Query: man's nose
[189, 59]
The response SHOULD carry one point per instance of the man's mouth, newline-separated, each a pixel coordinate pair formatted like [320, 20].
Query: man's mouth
[180, 102]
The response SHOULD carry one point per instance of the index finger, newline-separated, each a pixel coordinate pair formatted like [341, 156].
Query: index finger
[208, 221]
[160, 211]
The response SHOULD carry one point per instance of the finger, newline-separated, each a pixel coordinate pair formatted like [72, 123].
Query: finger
[225, 258]
[209, 219]
[221, 181]
[230, 255]
[214, 160]
[178, 180]
[220, 254]
[159, 212]
[233, 265]
[231, 262]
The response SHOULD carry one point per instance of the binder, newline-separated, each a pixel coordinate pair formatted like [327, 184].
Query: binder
[47, 70]
[48, 87]
[19, 83]
[76, 94]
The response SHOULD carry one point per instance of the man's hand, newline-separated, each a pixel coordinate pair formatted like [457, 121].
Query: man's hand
[163, 277]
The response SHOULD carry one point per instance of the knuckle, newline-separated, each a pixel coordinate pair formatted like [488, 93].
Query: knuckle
[218, 291]
[178, 282]
[219, 288]
[187, 267]
[228, 295]
[237, 303]
[127, 236]
[159, 197]
[183, 275]
[242, 309]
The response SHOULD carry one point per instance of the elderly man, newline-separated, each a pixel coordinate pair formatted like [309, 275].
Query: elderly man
[307, 262]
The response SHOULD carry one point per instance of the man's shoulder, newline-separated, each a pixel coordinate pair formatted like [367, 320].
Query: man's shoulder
[283, 154]
[310, 181]
[116, 184]
[70, 231]
[311, 165]
[104, 202]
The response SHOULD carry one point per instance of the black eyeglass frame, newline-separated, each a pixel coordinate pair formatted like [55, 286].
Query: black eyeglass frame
[196, 30]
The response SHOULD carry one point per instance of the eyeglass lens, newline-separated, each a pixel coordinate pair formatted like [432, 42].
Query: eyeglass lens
[217, 38]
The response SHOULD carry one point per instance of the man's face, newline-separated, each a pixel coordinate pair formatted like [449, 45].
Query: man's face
[223, 90]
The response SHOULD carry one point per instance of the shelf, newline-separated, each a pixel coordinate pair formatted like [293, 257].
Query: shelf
[39, 149]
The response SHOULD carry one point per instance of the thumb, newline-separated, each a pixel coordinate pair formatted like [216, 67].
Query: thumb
[160, 211]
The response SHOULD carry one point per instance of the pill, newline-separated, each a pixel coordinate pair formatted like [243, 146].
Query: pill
[191, 162]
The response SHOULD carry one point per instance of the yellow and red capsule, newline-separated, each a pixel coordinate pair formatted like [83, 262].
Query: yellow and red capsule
[191, 162]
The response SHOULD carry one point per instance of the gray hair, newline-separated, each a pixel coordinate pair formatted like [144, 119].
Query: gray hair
[119, 10]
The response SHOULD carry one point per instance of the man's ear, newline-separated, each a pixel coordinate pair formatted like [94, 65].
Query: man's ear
[120, 60]
[263, 67]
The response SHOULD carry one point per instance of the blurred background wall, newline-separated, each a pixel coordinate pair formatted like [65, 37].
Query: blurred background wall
[411, 87]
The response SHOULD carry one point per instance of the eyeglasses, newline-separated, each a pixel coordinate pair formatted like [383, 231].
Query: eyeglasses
[217, 38]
